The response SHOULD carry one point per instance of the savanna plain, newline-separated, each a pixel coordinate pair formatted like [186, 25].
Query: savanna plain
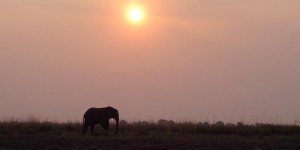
[33, 134]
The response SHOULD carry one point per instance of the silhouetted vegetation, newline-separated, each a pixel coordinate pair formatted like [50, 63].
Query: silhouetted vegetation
[217, 128]
[34, 126]
[164, 134]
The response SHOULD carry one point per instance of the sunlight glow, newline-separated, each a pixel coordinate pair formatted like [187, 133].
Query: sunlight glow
[135, 14]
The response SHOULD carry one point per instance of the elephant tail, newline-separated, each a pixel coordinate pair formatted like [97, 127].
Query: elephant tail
[83, 125]
[83, 120]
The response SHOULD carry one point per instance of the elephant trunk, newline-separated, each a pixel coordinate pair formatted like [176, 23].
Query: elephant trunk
[117, 125]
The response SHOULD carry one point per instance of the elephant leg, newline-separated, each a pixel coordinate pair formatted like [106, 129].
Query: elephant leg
[92, 128]
[105, 125]
[84, 128]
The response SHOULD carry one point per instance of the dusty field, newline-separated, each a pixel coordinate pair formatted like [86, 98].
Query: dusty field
[151, 141]
[35, 135]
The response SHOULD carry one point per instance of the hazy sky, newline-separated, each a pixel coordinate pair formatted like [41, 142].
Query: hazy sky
[195, 60]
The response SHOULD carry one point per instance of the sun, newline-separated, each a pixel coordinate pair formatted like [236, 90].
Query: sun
[135, 14]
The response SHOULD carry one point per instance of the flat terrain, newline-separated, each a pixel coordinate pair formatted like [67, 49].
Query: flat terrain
[146, 142]
[51, 136]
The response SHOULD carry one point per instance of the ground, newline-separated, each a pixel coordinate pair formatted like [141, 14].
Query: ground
[37, 135]
[157, 141]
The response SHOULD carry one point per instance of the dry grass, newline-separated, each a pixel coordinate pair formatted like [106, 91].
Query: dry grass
[36, 134]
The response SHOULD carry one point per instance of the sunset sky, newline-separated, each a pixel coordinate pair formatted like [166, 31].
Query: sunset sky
[186, 60]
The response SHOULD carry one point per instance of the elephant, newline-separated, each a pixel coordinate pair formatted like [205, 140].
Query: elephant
[101, 116]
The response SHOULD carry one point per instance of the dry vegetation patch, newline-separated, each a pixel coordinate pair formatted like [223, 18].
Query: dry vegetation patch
[48, 135]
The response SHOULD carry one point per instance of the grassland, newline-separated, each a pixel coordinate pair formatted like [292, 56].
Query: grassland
[37, 135]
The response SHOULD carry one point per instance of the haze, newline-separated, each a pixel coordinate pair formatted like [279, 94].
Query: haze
[194, 60]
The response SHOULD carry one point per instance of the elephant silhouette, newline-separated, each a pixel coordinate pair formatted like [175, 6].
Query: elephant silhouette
[101, 116]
